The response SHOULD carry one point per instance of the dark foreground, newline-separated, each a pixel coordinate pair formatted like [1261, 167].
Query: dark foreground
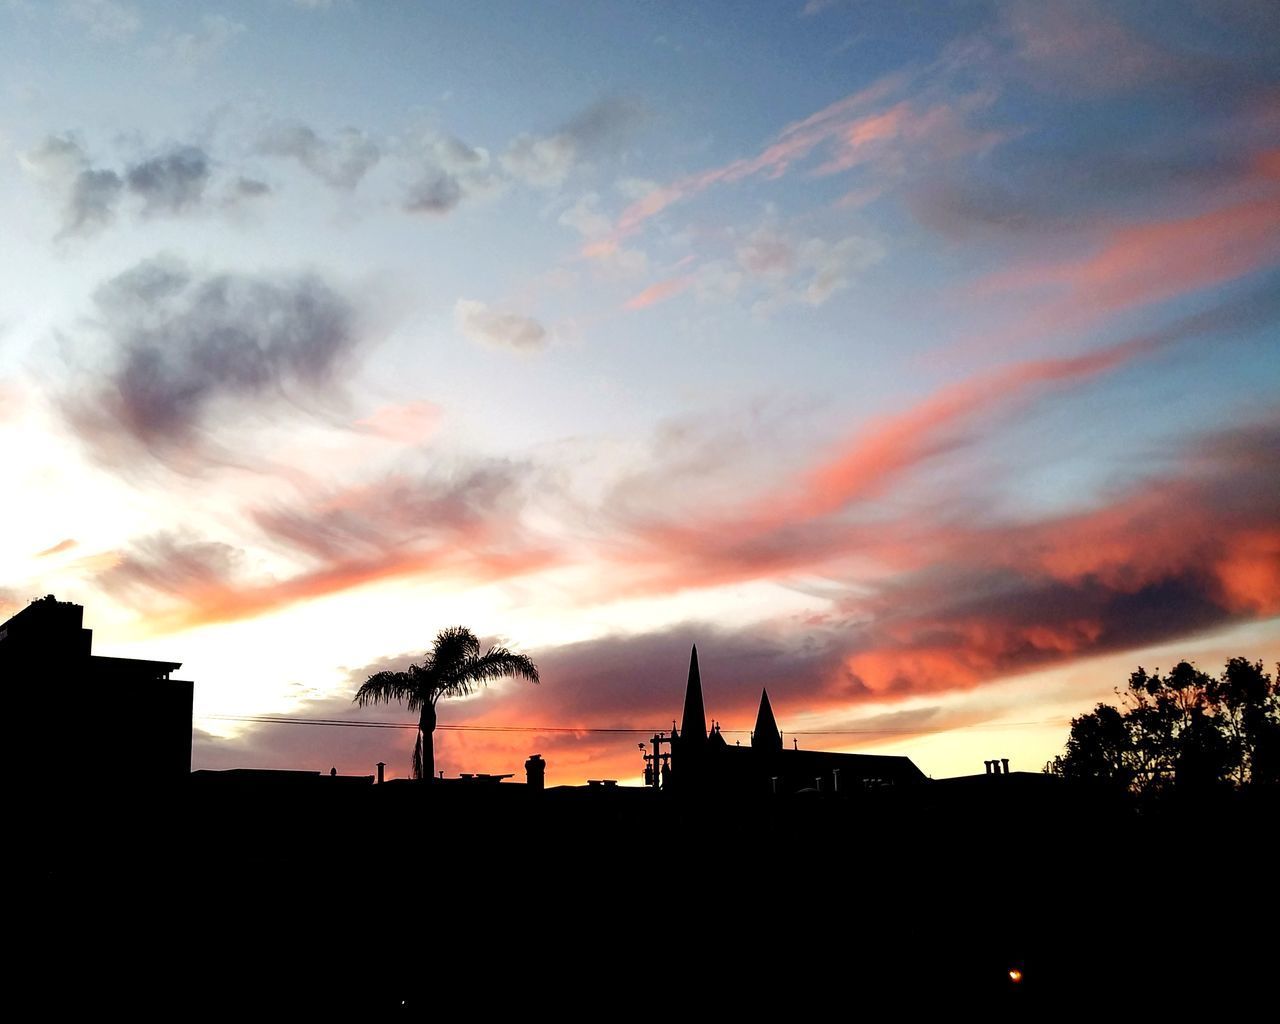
[619, 905]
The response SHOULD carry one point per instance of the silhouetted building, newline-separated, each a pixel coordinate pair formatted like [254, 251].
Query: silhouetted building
[703, 760]
[80, 715]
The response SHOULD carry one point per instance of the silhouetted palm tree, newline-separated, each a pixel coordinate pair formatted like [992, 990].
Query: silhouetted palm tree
[454, 668]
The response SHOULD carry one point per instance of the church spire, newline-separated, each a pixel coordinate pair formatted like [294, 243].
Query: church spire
[766, 735]
[693, 726]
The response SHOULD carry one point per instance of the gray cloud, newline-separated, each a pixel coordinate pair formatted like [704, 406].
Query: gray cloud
[172, 182]
[171, 565]
[784, 268]
[1024, 190]
[437, 191]
[340, 161]
[641, 678]
[447, 172]
[56, 159]
[245, 190]
[89, 196]
[404, 511]
[179, 341]
[91, 203]
[547, 160]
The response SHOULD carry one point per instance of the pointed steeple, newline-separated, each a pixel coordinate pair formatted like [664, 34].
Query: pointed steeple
[766, 735]
[693, 726]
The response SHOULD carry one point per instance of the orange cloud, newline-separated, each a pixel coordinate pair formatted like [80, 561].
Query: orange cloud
[225, 601]
[889, 445]
[460, 526]
[1249, 571]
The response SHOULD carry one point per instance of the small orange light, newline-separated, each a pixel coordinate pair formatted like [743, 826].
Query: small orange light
[1015, 975]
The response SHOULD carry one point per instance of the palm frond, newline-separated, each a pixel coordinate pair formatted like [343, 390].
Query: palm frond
[385, 688]
[495, 663]
[453, 645]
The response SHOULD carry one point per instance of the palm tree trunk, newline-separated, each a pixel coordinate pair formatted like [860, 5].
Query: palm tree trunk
[426, 737]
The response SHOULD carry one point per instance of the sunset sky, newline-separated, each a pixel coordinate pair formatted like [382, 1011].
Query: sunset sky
[918, 361]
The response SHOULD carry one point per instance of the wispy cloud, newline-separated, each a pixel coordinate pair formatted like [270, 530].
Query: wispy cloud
[340, 160]
[105, 19]
[406, 422]
[195, 47]
[1146, 262]
[659, 291]
[461, 524]
[547, 160]
[872, 127]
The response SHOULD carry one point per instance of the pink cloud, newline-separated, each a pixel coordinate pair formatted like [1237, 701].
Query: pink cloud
[659, 292]
[1080, 47]
[794, 143]
[888, 446]
[1151, 261]
[407, 422]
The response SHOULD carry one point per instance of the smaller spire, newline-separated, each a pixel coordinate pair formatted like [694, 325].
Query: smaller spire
[766, 736]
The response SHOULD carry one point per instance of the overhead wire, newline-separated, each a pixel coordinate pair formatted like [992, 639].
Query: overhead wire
[346, 724]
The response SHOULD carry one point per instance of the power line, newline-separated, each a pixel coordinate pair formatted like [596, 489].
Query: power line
[343, 724]
[339, 723]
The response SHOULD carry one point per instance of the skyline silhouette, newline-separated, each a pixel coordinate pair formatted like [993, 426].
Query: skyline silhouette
[995, 889]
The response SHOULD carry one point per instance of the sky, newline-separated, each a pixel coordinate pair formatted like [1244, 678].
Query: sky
[916, 361]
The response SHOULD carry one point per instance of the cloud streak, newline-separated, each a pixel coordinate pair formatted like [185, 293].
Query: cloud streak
[868, 128]
[1153, 261]
[461, 525]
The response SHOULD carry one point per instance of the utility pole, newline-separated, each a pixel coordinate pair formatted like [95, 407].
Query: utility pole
[657, 766]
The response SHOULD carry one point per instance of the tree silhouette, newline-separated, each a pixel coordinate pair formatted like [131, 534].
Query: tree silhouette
[454, 668]
[1183, 731]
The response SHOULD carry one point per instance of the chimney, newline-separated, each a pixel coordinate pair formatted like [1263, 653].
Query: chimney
[1005, 761]
[835, 780]
[381, 766]
[987, 765]
[535, 771]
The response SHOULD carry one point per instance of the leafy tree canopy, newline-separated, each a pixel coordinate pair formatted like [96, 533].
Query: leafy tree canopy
[1185, 730]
